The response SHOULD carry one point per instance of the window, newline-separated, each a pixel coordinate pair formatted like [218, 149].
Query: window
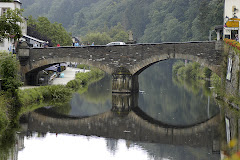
[4, 10]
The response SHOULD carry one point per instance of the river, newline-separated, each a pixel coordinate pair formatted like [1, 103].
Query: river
[170, 120]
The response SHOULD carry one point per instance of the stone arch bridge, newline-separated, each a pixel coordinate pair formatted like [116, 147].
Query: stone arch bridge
[123, 62]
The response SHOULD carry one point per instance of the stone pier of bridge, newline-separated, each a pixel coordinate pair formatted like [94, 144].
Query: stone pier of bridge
[124, 82]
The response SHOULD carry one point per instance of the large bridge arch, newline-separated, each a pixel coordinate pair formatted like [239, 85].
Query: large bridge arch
[201, 52]
[143, 65]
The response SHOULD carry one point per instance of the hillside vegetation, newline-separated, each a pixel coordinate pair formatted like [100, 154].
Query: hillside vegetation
[150, 20]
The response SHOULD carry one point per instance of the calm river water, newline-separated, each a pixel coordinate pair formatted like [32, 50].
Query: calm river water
[170, 120]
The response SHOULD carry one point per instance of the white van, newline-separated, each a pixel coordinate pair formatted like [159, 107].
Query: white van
[115, 43]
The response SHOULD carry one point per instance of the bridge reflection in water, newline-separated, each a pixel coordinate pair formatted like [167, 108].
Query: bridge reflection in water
[127, 121]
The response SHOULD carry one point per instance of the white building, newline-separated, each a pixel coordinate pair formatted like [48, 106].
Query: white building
[33, 42]
[231, 18]
[6, 44]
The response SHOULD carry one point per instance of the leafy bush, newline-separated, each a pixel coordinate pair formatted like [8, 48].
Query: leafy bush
[4, 105]
[57, 93]
[44, 93]
[9, 67]
[207, 72]
[181, 72]
[189, 72]
[176, 66]
[83, 79]
[216, 83]
[29, 96]
[82, 66]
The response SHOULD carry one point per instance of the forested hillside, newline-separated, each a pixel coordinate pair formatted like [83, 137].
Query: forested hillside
[150, 20]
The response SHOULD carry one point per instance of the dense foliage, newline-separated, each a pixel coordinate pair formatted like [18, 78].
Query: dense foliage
[116, 33]
[150, 21]
[192, 75]
[9, 68]
[192, 70]
[43, 29]
[9, 27]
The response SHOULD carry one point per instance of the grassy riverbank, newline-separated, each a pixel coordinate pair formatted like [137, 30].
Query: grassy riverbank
[193, 76]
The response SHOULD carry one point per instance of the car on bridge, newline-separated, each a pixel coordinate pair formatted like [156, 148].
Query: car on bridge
[115, 43]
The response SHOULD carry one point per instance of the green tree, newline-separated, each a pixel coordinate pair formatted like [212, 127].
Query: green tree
[53, 31]
[203, 25]
[172, 30]
[9, 27]
[117, 33]
[98, 38]
[9, 69]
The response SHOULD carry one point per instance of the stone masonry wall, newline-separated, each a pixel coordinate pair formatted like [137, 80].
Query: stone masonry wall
[232, 85]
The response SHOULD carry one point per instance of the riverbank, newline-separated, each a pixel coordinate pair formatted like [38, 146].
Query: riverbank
[59, 92]
[69, 74]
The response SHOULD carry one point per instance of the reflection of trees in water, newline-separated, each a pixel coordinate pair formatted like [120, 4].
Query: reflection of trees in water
[161, 151]
[99, 92]
[96, 100]
[193, 86]
[170, 101]
[8, 139]
[112, 145]
[61, 108]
